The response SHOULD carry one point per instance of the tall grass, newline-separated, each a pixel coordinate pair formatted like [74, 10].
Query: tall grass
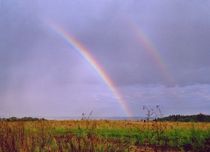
[102, 135]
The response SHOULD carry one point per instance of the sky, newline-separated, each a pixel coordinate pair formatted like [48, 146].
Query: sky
[153, 52]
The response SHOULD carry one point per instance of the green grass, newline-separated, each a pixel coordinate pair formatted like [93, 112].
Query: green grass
[175, 137]
[101, 135]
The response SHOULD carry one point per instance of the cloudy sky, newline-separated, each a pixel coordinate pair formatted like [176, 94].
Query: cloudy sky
[156, 52]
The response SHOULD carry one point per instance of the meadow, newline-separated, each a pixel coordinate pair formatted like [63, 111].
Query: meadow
[103, 135]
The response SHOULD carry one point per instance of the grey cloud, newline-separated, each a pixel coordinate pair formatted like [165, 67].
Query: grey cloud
[37, 66]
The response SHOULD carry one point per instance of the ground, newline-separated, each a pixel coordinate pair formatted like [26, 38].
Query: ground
[103, 135]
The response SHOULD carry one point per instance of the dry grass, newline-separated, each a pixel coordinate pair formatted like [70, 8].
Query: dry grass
[102, 135]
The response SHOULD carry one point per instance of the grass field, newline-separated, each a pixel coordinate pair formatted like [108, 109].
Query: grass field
[103, 135]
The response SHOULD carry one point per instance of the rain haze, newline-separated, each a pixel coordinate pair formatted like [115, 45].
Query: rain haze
[65, 58]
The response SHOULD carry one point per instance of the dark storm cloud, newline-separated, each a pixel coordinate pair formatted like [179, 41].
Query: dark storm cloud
[38, 68]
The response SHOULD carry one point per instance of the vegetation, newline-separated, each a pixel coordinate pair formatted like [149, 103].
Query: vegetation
[103, 135]
[21, 119]
[184, 118]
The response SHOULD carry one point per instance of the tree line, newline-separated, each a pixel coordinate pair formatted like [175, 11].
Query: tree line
[21, 119]
[187, 118]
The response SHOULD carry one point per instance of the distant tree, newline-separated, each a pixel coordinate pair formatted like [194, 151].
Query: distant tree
[21, 119]
[154, 112]
[84, 117]
[187, 118]
[201, 117]
[149, 112]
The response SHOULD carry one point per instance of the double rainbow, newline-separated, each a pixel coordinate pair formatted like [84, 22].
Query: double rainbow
[85, 53]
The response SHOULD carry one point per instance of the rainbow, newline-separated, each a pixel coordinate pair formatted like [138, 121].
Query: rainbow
[153, 52]
[85, 53]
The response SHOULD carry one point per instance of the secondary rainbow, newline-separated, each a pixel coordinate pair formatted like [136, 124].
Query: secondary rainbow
[85, 53]
[152, 51]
